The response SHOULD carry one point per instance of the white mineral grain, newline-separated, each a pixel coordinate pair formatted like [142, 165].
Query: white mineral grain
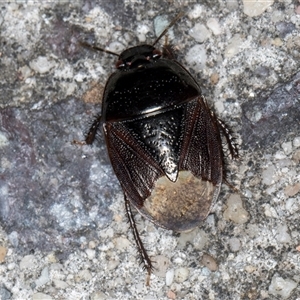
[116, 47]
[187, 237]
[269, 211]
[281, 287]
[214, 25]
[291, 205]
[200, 33]
[42, 64]
[170, 277]
[200, 240]
[196, 12]
[196, 57]
[141, 32]
[234, 45]
[160, 23]
[28, 262]
[91, 253]
[232, 4]
[254, 8]
[287, 147]
[26, 72]
[113, 264]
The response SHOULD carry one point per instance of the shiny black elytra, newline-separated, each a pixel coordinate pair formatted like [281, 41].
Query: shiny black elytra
[163, 141]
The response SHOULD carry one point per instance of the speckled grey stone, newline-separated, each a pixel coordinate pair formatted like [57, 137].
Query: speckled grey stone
[60, 200]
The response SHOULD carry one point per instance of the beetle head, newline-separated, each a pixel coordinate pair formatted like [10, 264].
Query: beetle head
[137, 57]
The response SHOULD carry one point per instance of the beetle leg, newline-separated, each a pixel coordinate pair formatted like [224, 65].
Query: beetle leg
[91, 135]
[233, 148]
[143, 253]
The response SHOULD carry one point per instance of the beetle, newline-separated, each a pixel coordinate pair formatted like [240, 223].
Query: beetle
[163, 140]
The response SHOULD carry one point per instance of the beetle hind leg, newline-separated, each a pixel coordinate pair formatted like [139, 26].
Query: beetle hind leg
[145, 260]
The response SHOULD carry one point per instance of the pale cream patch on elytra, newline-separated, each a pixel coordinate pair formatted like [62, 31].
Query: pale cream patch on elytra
[180, 205]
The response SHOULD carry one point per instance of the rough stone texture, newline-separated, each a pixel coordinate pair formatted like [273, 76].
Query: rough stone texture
[63, 226]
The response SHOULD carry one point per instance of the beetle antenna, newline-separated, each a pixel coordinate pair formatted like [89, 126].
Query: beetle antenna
[84, 44]
[168, 27]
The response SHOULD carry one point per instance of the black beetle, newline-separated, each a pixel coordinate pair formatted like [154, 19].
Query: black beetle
[163, 141]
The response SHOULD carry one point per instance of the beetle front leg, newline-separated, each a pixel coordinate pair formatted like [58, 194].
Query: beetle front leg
[145, 260]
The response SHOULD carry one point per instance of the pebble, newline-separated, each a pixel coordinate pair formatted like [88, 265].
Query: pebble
[27, 262]
[200, 33]
[256, 8]
[269, 211]
[13, 237]
[296, 142]
[214, 26]
[170, 277]
[209, 262]
[196, 56]
[282, 235]
[171, 295]
[41, 296]
[99, 296]
[121, 243]
[292, 190]
[200, 240]
[42, 64]
[84, 275]
[282, 287]
[181, 274]
[287, 147]
[277, 42]
[296, 156]
[44, 278]
[235, 211]
[268, 175]
[60, 284]
[3, 252]
[214, 78]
